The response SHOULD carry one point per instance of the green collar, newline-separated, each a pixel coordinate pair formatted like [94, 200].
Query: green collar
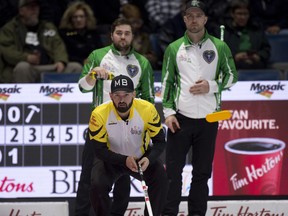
[116, 52]
[188, 42]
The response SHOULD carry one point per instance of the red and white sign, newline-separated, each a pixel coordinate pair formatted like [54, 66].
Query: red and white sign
[258, 133]
[34, 208]
[223, 208]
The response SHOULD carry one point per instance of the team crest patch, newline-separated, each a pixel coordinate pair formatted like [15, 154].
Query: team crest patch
[132, 70]
[209, 56]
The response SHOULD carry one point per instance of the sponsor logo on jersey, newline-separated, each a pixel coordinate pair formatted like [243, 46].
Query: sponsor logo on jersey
[136, 130]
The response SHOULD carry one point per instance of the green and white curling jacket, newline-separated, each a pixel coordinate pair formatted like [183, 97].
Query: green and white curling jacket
[184, 64]
[134, 65]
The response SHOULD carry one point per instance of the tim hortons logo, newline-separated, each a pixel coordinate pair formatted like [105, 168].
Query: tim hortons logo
[10, 185]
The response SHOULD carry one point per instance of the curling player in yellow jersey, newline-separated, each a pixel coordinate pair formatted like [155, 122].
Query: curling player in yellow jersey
[124, 132]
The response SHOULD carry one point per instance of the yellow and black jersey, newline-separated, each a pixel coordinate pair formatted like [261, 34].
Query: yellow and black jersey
[130, 137]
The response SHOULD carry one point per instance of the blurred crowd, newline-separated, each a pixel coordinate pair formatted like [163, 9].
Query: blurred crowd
[80, 27]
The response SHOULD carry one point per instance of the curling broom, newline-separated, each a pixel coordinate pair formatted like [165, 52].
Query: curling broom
[145, 189]
[219, 115]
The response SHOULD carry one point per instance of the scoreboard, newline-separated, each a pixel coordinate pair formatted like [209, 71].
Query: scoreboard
[39, 129]
[42, 133]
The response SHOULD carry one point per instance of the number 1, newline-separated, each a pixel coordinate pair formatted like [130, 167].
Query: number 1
[14, 154]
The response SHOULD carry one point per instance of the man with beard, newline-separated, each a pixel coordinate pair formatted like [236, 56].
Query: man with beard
[126, 132]
[115, 59]
[31, 46]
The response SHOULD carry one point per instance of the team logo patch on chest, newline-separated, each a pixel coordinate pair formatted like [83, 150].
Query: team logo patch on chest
[209, 56]
[132, 70]
[136, 130]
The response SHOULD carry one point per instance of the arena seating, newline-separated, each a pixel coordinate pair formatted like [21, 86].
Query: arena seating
[49, 77]
[260, 74]
[279, 47]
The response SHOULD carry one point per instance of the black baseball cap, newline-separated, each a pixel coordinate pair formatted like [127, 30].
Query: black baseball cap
[195, 4]
[122, 83]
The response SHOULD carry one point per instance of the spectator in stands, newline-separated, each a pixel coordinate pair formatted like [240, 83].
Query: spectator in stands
[248, 42]
[31, 46]
[159, 11]
[78, 31]
[272, 14]
[141, 42]
[51, 10]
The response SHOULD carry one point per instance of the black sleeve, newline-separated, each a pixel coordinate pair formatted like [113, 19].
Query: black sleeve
[157, 148]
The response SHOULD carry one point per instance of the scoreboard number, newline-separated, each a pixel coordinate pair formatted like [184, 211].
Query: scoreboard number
[50, 134]
[69, 134]
[14, 155]
[14, 134]
[14, 114]
[32, 134]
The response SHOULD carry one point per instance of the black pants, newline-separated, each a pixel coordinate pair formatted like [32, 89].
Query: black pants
[105, 174]
[201, 136]
[121, 192]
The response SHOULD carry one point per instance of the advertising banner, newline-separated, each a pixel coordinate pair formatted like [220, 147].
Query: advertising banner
[226, 208]
[34, 208]
[251, 155]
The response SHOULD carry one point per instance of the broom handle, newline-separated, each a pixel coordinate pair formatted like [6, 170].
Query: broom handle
[222, 28]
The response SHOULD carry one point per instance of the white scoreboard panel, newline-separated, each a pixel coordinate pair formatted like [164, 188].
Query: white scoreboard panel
[38, 129]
